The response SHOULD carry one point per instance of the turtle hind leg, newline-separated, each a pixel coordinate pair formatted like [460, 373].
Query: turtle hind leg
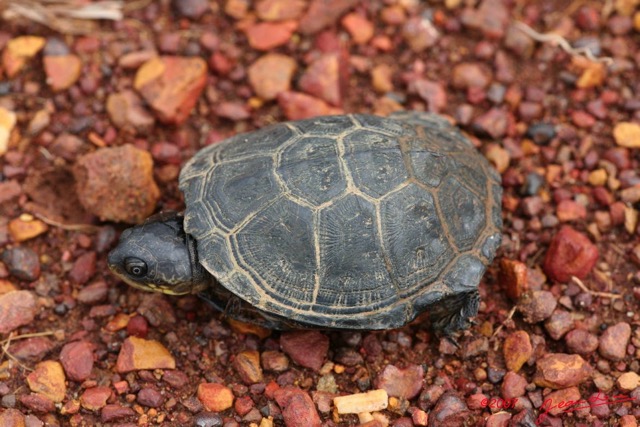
[456, 314]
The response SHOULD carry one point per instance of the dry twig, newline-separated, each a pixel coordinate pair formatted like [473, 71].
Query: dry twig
[4, 345]
[65, 16]
[84, 228]
[594, 293]
[563, 43]
[509, 317]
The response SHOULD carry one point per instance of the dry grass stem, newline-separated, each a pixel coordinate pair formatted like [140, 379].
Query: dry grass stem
[582, 286]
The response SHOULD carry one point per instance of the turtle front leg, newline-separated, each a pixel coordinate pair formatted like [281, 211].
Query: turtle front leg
[456, 313]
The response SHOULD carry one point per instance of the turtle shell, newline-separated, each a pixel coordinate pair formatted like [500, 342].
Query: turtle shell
[349, 221]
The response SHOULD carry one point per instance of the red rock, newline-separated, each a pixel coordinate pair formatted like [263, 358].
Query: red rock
[558, 370]
[297, 106]
[31, 348]
[513, 385]
[77, 360]
[581, 342]
[115, 412]
[323, 13]
[138, 327]
[419, 34]
[324, 79]
[138, 353]
[94, 292]
[150, 397]
[17, 308]
[433, 93]
[9, 190]
[37, 403]
[450, 410]
[500, 419]
[470, 75]
[582, 119]
[559, 324]
[126, 111]
[517, 350]
[271, 75]
[614, 340]
[404, 383]
[570, 253]
[494, 123]
[306, 348]
[298, 409]
[83, 268]
[513, 276]
[171, 85]
[557, 402]
[215, 397]
[23, 264]
[243, 405]
[269, 35]
[232, 111]
[48, 380]
[95, 398]
[247, 365]
[537, 306]
[116, 183]
[280, 10]
[62, 71]
[568, 210]
[359, 27]
[220, 63]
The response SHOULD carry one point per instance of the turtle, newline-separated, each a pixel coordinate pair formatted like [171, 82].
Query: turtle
[348, 222]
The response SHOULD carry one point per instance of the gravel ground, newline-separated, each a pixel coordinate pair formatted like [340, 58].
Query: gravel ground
[94, 127]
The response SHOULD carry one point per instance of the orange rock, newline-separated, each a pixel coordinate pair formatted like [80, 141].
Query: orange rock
[359, 27]
[62, 71]
[271, 74]
[18, 51]
[215, 397]
[48, 380]
[95, 398]
[627, 134]
[513, 277]
[517, 350]
[559, 370]
[171, 85]
[25, 227]
[17, 308]
[137, 354]
[268, 35]
[248, 328]
[6, 286]
[280, 10]
[557, 402]
[298, 106]
[326, 78]
[247, 365]
[12, 418]
[8, 121]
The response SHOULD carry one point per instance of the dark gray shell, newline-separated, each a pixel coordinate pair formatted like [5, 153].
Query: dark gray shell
[345, 221]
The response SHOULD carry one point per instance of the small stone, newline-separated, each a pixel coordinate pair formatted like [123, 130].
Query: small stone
[513, 385]
[569, 210]
[236, 8]
[271, 75]
[23, 263]
[433, 93]
[126, 111]
[17, 308]
[381, 78]
[247, 365]
[48, 380]
[518, 42]
[559, 324]
[274, 361]
[541, 133]
[419, 33]
[269, 35]
[627, 134]
[95, 398]
[500, 419]
[150, 397]
[470, 75]
[323, 79]
[570, 253]
[192, 9]
[32, 349]
[537, 306]
[10, 417]
[593, 75]
[280, 10]
[323, 13]
[513, 276]
[581, 342]
[491, 17]
[556, 402]
[248, 328]
[403, 383]
[83, 268]
[232, 110]
[494, 123]
[18, 51]
[614, 341]
[62, 71]
[26, 227]
[8, 121]
[598, 177]
[499, 157]
[176, 379]
[306, 348]
[359, 27]
[215, 397]
[138, 326]
[582, 119]
[298, 106]
[77, 360]
[558, 370]
[208, 419]
[625, 7]
[93, 293]
[115, 412]
[298, 409]
[171, 85]
[138, 353]
[38, 403]
[517, 350]
[628, 381]
[450, 410]
[116, 183]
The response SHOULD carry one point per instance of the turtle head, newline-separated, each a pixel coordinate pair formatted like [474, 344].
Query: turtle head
[159, 256]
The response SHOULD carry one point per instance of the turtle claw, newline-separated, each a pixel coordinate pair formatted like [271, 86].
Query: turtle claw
[453, 341]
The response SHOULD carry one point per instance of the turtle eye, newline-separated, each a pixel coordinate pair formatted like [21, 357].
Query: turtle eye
[135, 267]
